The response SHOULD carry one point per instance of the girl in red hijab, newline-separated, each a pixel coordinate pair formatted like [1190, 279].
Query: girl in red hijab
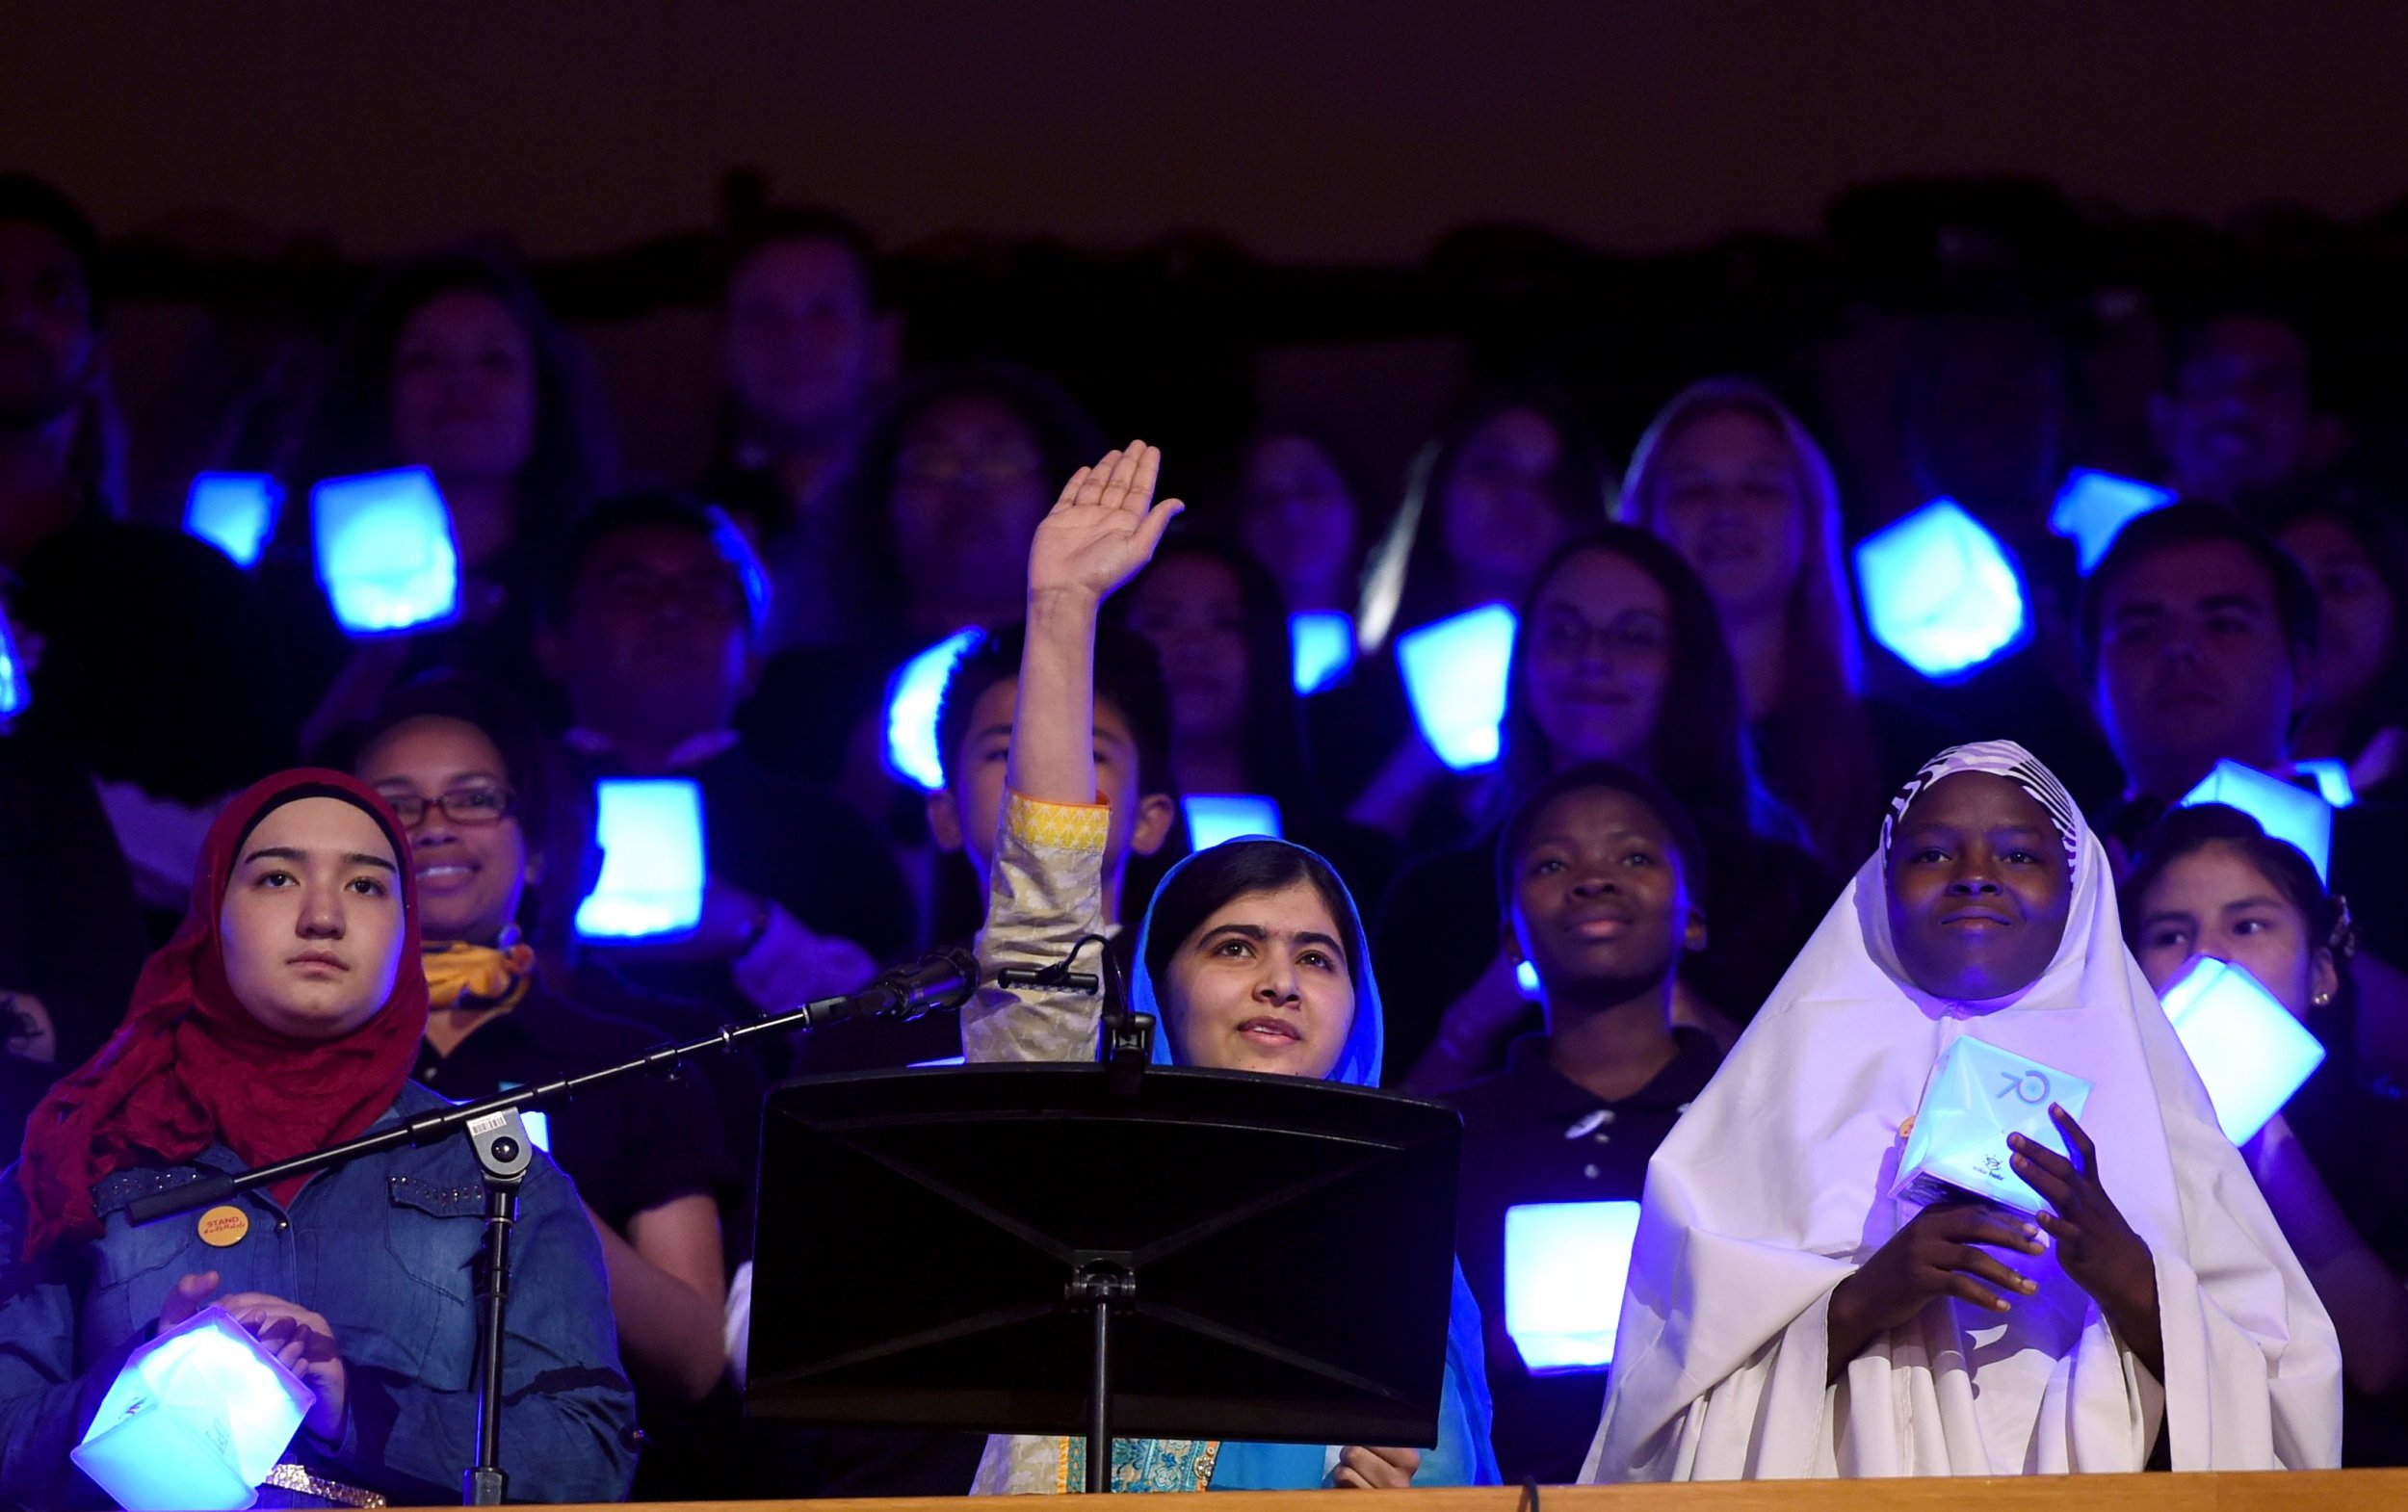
[284, 1015]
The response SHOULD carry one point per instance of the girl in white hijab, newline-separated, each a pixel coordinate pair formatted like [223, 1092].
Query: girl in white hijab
[1787, 1317]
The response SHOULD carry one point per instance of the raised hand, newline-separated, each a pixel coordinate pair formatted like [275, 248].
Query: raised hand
[1103, 528]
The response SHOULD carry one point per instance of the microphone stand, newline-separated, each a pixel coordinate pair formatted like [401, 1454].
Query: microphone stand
[504, 1153]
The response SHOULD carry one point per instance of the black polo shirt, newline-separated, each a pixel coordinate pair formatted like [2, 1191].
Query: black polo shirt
[631, 1144]
[1531, 1135]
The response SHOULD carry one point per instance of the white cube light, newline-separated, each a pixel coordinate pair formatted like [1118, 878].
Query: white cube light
[1566, 1264]
[2248, 1048]
[1214, 817]
[1941, 592]
[233, 512]
[651, 833]
[2093, 507]
[913, 697]
[1322, 647]
[17, 688]
[196, 1419]
[385, 554]
[2282, 809]
[1455, 677]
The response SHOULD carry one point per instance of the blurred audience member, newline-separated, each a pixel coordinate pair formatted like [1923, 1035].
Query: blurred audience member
[2354, 549]
[2238, 414]
[1305, 512]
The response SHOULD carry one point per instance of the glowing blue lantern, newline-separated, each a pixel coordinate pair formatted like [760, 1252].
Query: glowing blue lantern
[1455, 677]
[941, 1061]
[1323, 648]
[1526, 980]
[2247, 1048]
[234, 512]
[1216, 816]
[1941, 592]
[651, 833]
[16, 687]
[196, 1419]
[1566, 1264]
[2331, 775]
[2282, 810]
[2092, 507]
[386, 555]
[912, 697]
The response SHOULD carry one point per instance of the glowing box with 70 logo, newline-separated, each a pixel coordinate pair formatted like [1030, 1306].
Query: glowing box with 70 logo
[1978, 1095]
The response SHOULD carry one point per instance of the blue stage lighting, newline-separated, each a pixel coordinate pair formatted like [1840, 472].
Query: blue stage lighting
[2092, 507]
[1455, 677]
[1940, 591]
[1566, 1264]
[651, 833]
[234, 512]
[2248, 1048]
[386, 555]
[2282, 810]
[196, 1419]
[1324, 643]
[912, 697]
[1216, 816]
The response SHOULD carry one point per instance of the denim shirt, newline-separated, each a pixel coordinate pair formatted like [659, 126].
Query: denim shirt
[385, 1250]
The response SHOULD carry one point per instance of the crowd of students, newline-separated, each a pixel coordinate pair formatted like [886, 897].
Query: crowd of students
[1644, 952]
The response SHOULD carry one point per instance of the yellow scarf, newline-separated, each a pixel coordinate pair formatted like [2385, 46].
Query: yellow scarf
[460, 974]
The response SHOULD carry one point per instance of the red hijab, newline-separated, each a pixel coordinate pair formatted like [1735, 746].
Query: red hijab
[190, 1067]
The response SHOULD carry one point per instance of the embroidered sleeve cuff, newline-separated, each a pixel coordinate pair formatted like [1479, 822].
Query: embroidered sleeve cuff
[1057, 826]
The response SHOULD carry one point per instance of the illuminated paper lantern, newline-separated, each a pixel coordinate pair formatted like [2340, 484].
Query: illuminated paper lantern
[385, 554]
[197, 1418]
[2093, 507]
[1979, 1095]
[1324, 647]
[234, 512]
[17, 688]
[1566, 1264]
[1455, 677]
[2331, 775]
[1940, 591]
[912, 697]
[2247, 1048]
[1216, 816]
[2282, 809]
[651, 833]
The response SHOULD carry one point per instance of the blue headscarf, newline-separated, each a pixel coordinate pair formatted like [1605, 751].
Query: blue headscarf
[1463, 1456]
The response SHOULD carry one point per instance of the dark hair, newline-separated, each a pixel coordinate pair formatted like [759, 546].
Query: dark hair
[2189, 524]
[1274, 734]
[1405, 578]
[350, 424]
[27, 200]
[1698, 748]
[657, 508]
[1065, 435]
[1128, 679]
[2186, 831]
[783, 228]
[2373, 521]
[1597, 776]
[1207, 881]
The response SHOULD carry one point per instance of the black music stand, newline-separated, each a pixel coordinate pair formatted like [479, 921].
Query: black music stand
[1036, 1249]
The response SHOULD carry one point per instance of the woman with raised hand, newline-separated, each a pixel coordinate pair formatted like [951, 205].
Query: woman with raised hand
[284, 1016]
[1251, 959]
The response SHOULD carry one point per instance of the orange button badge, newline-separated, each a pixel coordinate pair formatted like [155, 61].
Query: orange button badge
[224, 1225]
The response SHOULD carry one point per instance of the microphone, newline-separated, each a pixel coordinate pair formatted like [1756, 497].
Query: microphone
[939, 983]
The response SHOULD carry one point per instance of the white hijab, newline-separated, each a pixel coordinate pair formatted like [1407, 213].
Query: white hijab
[1774, 1189]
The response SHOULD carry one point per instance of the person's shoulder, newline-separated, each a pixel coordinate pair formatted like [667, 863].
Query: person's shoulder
[568, 1027]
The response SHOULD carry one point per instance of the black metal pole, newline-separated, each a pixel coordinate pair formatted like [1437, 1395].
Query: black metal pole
[487, 1483]
[1099, 1406]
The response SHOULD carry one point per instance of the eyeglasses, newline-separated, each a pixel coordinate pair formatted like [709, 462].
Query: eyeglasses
[460, 805]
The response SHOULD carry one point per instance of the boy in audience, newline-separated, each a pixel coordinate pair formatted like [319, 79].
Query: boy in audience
[2240, 415]
[1599, 872]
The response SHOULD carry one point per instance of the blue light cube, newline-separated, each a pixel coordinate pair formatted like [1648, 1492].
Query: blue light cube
[1455, 677]
[2331, 775]
[2248, 1048]
[17, 688]
[1526, 982]
[1323, 645]
[196, 1419]
[1978, 1095]
[1566, 1264]
[386, 553]
[233, 512]
[1941, 592]
[912, 697]
[653, 870]
[2093, 506]
[2283, 810]
[1216, 816]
